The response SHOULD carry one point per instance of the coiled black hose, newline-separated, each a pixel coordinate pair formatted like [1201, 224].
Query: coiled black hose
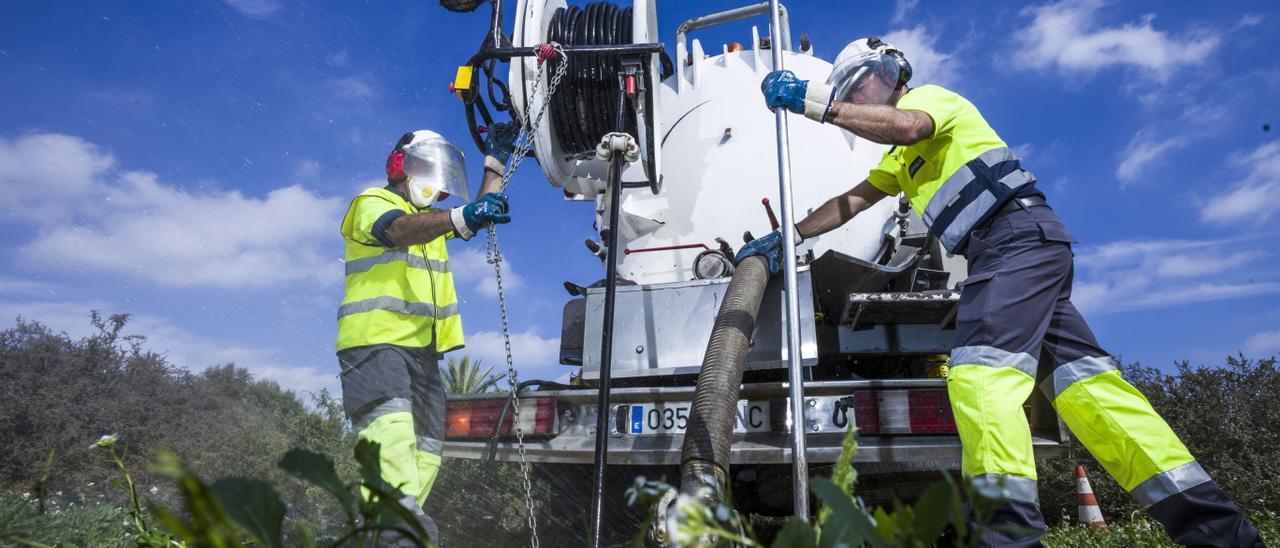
[585, 104]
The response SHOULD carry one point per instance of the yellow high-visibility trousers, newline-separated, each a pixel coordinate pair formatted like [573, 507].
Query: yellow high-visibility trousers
[1016, 328]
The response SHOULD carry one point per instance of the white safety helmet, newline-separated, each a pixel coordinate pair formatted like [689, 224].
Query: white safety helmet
[433, 167]
[867, 71]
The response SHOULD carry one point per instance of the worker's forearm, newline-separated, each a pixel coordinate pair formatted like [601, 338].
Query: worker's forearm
[830, 216]
[839, 210]
[492, 182]
[419, 228]
[881, 123]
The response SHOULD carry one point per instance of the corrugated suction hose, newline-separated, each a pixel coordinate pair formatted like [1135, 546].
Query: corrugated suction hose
[704, 462]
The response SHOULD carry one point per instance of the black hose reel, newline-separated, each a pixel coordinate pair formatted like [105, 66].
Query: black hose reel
[583, 108]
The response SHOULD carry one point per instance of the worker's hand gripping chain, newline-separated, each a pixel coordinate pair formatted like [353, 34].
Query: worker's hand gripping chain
[494, 257]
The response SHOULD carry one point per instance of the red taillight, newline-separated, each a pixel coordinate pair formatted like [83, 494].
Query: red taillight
[479, 418]
[930, 412]
[910, 411]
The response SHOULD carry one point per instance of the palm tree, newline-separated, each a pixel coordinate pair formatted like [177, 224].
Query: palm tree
[464, 377]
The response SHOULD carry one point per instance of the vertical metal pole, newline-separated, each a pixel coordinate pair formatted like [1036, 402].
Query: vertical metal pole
[606, 330]
[799, 460]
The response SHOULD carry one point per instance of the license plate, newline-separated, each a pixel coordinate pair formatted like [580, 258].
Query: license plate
[673, 418]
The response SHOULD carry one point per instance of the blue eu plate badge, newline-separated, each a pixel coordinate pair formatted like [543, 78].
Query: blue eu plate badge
[637, 419]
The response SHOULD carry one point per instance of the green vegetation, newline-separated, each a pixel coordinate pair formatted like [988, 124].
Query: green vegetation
[464, 377]
[939, 515]
[221, 423]
[1141, 531]
[174, 427]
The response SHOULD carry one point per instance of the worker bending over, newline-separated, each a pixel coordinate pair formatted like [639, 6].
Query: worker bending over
[400, 311]
[1015, 309]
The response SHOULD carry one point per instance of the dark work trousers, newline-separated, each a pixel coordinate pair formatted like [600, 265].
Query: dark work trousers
[1016, 329]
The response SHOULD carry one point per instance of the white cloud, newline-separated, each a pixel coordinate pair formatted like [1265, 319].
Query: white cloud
[1137, 275]
[255, 8]
[470, 268]
[1199, 120]
[534, 356]
[1263, 343]
[1068, 36]
[351, 87]
[1251, 200]
[105, 220]
[31, 164]
[180, 347]
[1024, 151]
[901, 8]
[1143, 150]
[928, 65]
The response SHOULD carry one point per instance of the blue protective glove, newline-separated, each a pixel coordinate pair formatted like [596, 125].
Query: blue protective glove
[781, 88]
[768, 246]
[489, 208]
[500, 141]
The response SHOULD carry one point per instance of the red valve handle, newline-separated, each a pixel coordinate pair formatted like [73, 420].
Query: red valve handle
[773, 219]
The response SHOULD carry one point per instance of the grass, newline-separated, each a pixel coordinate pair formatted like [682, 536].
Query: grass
[78, 520]
[1142, 531]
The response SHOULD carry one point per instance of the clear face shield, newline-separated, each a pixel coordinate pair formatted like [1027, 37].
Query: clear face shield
[436, 169]
[867, 79]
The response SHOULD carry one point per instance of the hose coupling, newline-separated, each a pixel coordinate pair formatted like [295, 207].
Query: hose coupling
[618, 142]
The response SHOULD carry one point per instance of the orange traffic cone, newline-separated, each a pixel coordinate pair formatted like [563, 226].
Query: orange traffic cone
[1090, 514]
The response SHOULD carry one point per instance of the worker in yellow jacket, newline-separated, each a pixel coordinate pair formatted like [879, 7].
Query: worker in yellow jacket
[400, 311]
[1016, 328]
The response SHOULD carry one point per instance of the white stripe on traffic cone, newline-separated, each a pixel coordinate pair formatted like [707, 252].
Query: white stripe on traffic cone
[1090, 514]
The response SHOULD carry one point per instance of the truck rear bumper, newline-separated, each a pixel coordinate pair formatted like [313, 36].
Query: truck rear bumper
[889, 440]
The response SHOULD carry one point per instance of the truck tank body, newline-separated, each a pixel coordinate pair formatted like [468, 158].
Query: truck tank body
[720, 162]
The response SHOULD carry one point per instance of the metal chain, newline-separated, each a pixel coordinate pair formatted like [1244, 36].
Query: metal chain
[494, 256]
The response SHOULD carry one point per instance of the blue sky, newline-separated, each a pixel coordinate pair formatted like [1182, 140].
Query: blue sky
[188, 163]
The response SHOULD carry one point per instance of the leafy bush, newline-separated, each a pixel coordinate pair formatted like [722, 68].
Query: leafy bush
[59, 394]
[229, 512]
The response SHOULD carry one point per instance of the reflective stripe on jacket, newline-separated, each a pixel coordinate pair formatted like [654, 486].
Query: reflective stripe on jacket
[402, 296]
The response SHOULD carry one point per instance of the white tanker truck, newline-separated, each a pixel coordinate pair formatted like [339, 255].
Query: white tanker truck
[877, 296]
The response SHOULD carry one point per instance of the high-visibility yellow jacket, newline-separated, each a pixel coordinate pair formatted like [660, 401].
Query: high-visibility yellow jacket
[395, 295]
[957, 177]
